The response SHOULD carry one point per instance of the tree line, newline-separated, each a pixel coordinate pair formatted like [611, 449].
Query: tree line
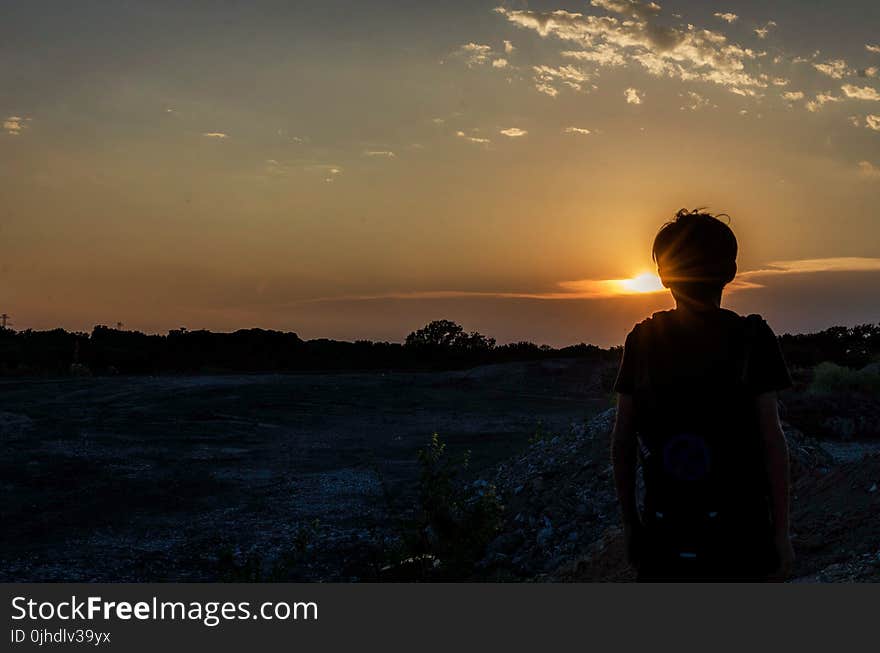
[441, 344]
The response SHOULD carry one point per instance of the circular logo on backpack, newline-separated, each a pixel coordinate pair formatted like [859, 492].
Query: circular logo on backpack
[686, 457]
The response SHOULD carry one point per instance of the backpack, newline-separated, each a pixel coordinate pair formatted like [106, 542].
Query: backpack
[706, 490]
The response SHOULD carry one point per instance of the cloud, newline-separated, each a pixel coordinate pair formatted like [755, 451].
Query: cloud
[545, 78]
[762, 32]
[696, 101]
[576, 130]
[872, 122]
[633, 8]
[473, 139]
[861, 92]
[329, 172]
[474, 54]
[646, 283]
[602, 54]
[793, 96]
[745, 92]
[217, 135]
[727, 17]
[872, 48]
[514, 132]
[682, 52]
[870, 71]
[387, 154]
[753, 278]
[633, 96]
[868, 170]
[836, 68]
[546, 89]
[15, 125]
[499, 63]
[821, 100]
[508, 47]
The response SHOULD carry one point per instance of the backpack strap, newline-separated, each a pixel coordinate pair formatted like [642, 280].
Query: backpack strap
[752, 324]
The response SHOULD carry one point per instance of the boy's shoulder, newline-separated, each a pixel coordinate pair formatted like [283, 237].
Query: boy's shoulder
[661, 319]
[655, 318]
[640, 330]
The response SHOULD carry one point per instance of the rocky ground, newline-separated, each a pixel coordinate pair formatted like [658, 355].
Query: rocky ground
[562, 521]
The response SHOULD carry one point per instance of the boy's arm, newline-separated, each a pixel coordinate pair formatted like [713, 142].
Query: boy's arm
[776, 460]
[623, 459]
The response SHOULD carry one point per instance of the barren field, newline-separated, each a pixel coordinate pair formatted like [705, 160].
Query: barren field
[315, 476]
[171, 478]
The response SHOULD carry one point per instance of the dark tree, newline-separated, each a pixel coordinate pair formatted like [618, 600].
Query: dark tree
[446, 334]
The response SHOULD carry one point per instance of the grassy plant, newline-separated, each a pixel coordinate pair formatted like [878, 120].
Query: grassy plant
[830, 378]
[455, 521]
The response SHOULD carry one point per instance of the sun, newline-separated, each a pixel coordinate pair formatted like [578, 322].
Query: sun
[642, 283]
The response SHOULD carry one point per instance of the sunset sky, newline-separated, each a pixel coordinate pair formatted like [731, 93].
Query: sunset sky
[355, 169]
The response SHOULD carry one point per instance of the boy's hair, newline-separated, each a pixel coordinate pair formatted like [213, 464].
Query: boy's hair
[696, 253]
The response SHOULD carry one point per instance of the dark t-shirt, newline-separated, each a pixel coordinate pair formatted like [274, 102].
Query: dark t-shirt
[693, 378]
[701, 351]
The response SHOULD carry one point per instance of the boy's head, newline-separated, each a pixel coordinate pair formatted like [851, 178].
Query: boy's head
[695, 255]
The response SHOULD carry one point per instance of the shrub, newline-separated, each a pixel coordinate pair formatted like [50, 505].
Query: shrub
[829, 378]
[456, 519]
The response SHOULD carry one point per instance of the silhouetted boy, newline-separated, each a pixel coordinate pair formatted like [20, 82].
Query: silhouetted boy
[697, 408]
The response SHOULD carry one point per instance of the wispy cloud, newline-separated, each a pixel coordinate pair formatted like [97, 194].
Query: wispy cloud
[872, 122]
[15, 125]
[762, 32]
[385, 154]
[868, 170]
[861, 92]
[508, 47]
[603, 54]
[217, 135]
[695, 101]
[633, 96]
[814, 265]
[474, 54]
[499, 63]
[473, 139]
[821, 100]
[547, 77]
[727, 17]
[582, 131]
[793, 96]
[872, 48]
[329, 171]
[836, 68]
[683, 52]
[513, 132]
